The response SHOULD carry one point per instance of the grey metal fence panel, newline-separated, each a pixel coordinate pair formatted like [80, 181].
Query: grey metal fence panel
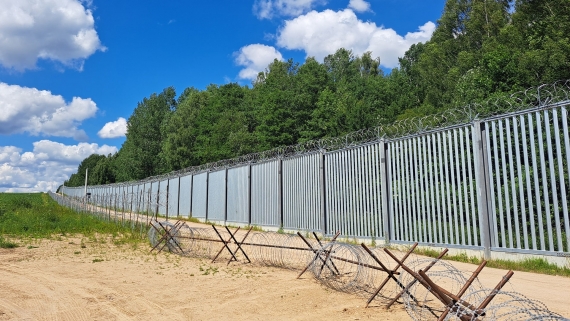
[125, 195]
[200, 195]
[353, 177]
[217, 196]
[154, 197]
[130, 197]
[530, 168]
[185, 199]
[143, 198]
[238, 195]
[101, 196]
[115, 198]
[123, 205]
[135, 196]
[143, 205]
[173, 190]
[432, 188]
[302, 190]
[146, 196]
[163, 197]
[118, 197]
[149, 198]
[127, 199]
[104, 197]
[265, 194]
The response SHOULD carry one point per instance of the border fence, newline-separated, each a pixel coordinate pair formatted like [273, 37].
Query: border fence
[472, 179]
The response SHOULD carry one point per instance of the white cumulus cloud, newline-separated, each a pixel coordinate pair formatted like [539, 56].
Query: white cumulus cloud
[255, 58]
[322, 33]
[40, 112]
[267, 9]
[58, 30]
[15, 178]
[359, 5]
[46, 167]
[114, 129]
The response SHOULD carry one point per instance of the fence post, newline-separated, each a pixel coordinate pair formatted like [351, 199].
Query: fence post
[249, 194]
[207, 192]
[178, 198]
[132, 197]
[225, 196]
[157, 199]
[148, 203]
[191, 194]
[384, 190]
[280, 193]
[123, 205]
[323, 191]
[167, 196]
[479, 151]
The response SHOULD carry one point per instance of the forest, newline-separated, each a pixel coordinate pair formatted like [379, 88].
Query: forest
[481, 49]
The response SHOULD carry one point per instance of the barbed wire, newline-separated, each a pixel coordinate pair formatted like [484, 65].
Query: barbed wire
[506, 305]
[532, 99]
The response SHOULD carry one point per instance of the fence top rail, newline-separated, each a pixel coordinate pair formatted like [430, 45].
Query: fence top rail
[543, 97]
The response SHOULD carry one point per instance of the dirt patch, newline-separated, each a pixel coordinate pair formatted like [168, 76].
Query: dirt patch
[75, 279]
[63, 281]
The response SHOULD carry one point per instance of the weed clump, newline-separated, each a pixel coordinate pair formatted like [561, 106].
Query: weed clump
[5, 244]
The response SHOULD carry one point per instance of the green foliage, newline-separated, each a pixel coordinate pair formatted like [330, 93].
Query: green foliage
[78, 179]
[141, 154]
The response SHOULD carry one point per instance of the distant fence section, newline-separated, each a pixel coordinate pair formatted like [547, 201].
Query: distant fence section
[496, 184]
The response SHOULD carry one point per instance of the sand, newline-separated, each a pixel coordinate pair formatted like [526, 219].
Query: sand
[74, 278]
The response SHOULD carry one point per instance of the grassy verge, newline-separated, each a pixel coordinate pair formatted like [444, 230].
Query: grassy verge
[534, 265]
[38, 216]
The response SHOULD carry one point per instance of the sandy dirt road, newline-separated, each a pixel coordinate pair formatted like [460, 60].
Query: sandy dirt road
[75, 278]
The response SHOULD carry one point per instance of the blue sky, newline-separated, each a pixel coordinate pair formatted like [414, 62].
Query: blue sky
[71, 71]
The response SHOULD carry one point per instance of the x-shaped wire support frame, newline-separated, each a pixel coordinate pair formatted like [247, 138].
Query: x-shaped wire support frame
[167, 235]
[409, 285]
[390, 273]
[318, 253]
[229, 241]
[453, 302]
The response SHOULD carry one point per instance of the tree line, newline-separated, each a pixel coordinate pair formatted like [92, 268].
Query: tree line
[479, 50]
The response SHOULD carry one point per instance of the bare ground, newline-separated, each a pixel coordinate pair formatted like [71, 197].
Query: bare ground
[80, 279]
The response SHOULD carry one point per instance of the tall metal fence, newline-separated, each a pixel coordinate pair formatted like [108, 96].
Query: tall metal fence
[479, 181]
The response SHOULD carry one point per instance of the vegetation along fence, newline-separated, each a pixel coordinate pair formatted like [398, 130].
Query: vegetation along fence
[492, 177]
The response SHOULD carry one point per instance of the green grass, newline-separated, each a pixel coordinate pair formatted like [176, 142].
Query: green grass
[5, 244]
[192, 219]
[534, 265]
[36, 215]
